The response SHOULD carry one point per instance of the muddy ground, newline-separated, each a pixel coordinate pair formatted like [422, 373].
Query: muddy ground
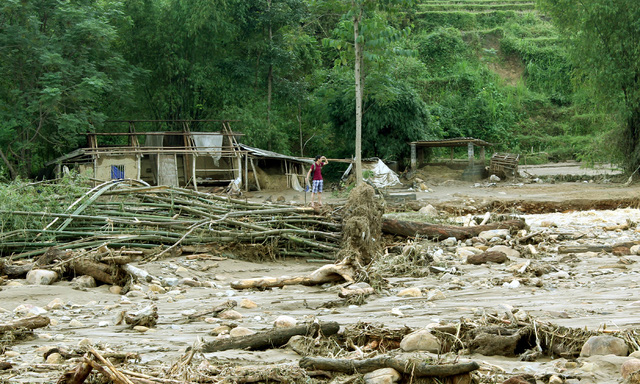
[588, 290]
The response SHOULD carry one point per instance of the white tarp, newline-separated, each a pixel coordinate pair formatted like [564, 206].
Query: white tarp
[380, 175]
[211, 145]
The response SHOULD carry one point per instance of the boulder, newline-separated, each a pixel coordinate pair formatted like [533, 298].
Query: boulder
[510, 252]
[486, 257]
[604, 345]
[84, 281]
[422, 340]
[41, 277]
[410, 292]
[284, 321]
[488, 235]
[630, 366]
[382, 376]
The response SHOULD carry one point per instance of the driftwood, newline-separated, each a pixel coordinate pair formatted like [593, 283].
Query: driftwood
[99, 271]
[408, 366]
[147, 317]
[274, 338]
[26, 323]
[76, 376]
[16, 270]
[215, 311]
[325, 274]
[441, 232]
[4, 365]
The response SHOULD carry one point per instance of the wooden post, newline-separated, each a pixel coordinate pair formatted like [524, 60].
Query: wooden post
[413, 157]
[451, 154]
[139, 165]
[482, 155]
[470, 153]
[255, 174]
[246, 172]
[193, 172]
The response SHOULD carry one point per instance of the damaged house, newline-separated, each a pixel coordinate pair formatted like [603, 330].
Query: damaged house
[183, 159]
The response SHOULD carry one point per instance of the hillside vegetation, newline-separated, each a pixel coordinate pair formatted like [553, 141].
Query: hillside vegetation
[497, 70]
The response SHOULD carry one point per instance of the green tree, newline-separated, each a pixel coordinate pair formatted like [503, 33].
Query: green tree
[371, 38]
[603, 37]
[58, 74]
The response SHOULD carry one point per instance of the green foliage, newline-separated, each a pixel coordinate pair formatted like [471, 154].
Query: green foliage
[20, 195]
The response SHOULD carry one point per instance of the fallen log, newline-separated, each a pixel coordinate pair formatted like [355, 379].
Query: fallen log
[270, 339]
[99, 271]
[441, 232]
[26, 323]
[16, 270]
[408, 366]
[325, 274]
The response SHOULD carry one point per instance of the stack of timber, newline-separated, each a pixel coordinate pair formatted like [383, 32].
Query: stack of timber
[163, 219]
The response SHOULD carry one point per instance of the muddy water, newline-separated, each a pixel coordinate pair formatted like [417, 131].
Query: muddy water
[587, 290]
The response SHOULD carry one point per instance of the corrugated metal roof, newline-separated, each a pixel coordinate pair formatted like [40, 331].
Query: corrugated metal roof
[274, 155]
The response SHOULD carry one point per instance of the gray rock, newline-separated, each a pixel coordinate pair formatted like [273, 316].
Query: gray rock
[421, 340]
[488, 235]
[604, 345]
[510, 252]
[41, 277]
[630, 366]
[84, 281]
[382, 376]
[429, 211]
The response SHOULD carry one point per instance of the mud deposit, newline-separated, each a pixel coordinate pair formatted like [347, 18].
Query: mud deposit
[566, 270]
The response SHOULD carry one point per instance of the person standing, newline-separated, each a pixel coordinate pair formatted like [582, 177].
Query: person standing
[316, 186]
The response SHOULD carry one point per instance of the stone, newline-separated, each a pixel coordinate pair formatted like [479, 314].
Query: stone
[76, 324]
[553, 379]
[11, 354]
[410, 292]
[494, 178]
[521, 379]
[621, 251]
[284, 321]
[634, 249]
[488, 235]
[189, 282]
[220, 330]
[230, 314]
[630, 366]
[41, 277]
[55, 358]
[248, 304]
[29, 309]
[84, 281]
[435, 294]
[450, 242]
[486, 257]
[422, 340]
[510, 252]
[428, 210]
[56, 303]
[464, 252]
[604, 345]
[140, 328]
[157, 288]
[382, 376]
[115, 289]
[182, 272]
[241, 331]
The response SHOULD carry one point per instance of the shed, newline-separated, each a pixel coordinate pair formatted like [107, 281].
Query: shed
[418, 147]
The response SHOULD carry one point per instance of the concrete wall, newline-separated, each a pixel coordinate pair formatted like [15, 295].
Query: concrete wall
[103, 169]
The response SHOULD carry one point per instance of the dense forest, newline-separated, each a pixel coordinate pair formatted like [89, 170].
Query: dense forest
[550, 79]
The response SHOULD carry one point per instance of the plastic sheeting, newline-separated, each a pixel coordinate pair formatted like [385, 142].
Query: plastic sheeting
[211, 145]
[381, 175]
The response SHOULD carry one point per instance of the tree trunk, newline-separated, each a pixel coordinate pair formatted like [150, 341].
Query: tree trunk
[12, 171]
[28, 323]
[415, 368]
[358, 77]
[441, 232]
[270, 339]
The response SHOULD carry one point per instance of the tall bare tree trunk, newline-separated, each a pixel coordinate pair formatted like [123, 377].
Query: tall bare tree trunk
[358, 64]
[270, 74]
[12, 171]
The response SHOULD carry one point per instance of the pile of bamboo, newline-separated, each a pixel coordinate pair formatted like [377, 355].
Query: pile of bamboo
[165, 218]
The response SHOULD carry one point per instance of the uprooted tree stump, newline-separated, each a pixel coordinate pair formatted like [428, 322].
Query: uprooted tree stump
[361, 243]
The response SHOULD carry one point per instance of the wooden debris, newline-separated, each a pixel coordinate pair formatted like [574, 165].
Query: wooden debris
[486, 257]
[274, 338]
[215, 311]
[408, 366]
[441, 232]
[325, 274]
[26, 323]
